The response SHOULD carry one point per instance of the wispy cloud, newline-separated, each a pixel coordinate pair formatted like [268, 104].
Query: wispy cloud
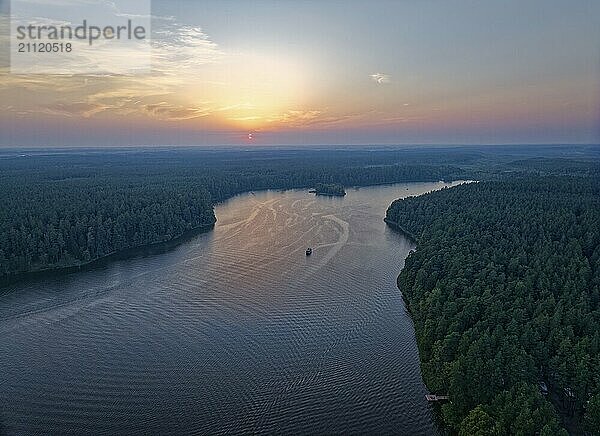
[296, 118]
[314, 118]
[167, 111]
[178, 53]
[81, 109]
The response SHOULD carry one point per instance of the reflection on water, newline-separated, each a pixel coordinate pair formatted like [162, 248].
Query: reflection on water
[236, 330]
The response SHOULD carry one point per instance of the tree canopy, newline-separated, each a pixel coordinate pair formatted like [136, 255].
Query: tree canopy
[60, 210]
[504, 293]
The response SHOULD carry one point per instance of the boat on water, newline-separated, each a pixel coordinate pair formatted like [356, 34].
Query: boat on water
[308, 251]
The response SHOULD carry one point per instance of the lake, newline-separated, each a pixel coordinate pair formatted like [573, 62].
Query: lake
[235, 330]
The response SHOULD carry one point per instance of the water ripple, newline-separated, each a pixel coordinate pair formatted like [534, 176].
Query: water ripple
[235, 331]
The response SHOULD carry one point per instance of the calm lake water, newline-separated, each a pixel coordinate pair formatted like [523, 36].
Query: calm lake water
[235, 330]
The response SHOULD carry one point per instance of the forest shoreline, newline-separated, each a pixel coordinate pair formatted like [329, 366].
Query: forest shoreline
[161, 246]
[397, 226]
[567, 419]
[442, 292]
[127, 253]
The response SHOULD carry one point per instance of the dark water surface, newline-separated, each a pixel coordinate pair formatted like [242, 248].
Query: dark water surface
[233, 331]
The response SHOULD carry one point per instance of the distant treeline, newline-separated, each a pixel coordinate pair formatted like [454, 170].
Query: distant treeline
[504, 293]
[61, 210]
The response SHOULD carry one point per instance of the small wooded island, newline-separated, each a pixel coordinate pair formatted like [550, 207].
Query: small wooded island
[333, 190]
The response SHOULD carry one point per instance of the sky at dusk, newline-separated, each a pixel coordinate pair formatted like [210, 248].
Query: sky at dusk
[330, 72]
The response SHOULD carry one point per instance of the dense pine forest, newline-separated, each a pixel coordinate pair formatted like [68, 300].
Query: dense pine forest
[503, 286]
[504, 292]
[61, 209]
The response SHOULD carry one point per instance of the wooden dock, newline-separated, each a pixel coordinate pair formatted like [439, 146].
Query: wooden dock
[433, 398]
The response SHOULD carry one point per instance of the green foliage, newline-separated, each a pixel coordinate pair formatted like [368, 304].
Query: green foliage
[477, 423]
[66, 209]
[330, 189]
[523, 411]
[50, 224]
[592, 415]
[504, 291]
